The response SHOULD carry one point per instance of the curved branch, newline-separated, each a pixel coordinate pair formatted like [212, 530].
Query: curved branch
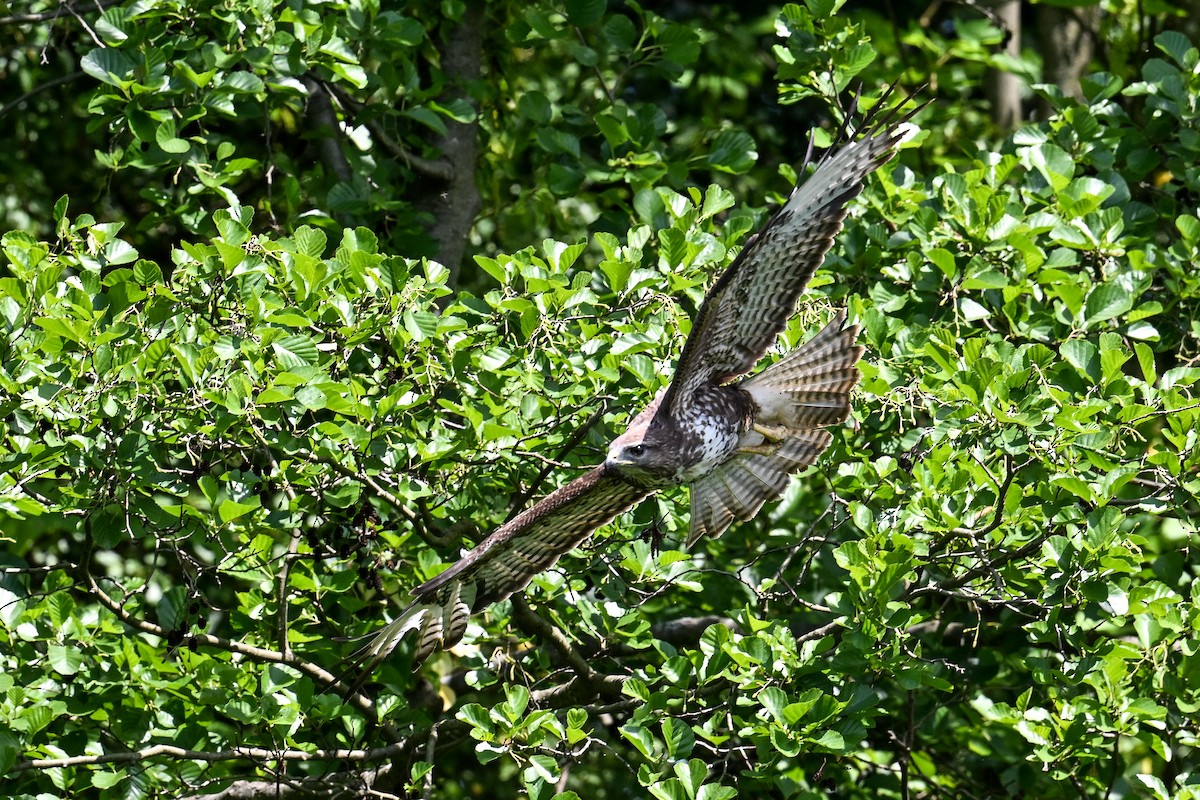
[65, 8]
[530, 622]
[38, 89]
[308, 668]
[440, 169]
[234, 754]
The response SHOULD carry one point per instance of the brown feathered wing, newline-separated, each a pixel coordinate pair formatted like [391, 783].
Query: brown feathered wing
[505, 562]
[751, 303]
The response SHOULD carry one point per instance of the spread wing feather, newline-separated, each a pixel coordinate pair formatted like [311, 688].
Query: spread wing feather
[737, 489]
[505, 562]
[750, 304]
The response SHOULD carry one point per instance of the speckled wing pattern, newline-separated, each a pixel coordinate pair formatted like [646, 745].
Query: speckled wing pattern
[751, 303]
[506, 561]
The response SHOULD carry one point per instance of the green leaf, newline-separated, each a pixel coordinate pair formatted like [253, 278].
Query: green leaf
[1106, 301]
[167, 140]
[517, 702]
[104, 779]
[670, 789]
[147, 273]
[1177, 46]
[310, 241]
[544, 767]
[1054, 163]
[1145, 357]
[678, 737]
[691, 775]
[585, 12]
[311, 398]
[64, 659]
[733, 151]
[172, 608]
[294, 351]
[10, 748]
[716, 200]
[230, 510]
[773, 699]
[639, 737]
[1084, 356]
[619, 31]
[715, 791]
[108, 65]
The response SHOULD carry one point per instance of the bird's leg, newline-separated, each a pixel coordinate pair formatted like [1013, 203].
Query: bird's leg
[756, 440]
[764, 449]
[762, 439]
[768, 432]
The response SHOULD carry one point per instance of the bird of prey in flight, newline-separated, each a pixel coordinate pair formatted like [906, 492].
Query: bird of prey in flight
[734, 441]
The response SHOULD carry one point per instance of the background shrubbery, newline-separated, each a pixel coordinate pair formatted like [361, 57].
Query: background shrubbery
[334, 288]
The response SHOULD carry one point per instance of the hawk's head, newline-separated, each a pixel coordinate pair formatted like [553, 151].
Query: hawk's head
[646, 453]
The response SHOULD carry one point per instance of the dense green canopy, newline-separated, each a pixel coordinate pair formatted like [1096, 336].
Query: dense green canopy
[297, 300]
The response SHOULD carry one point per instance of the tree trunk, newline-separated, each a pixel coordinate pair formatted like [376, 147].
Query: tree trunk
[1004, 88]
[456, 202]
[1067, 40]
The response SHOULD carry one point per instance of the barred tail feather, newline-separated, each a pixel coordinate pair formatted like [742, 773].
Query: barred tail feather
[737, 489]
[810, 387]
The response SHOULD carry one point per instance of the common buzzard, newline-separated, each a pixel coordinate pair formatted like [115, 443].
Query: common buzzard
[734, 443]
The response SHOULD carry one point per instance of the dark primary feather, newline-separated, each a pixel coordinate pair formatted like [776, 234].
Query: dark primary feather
[751, 303]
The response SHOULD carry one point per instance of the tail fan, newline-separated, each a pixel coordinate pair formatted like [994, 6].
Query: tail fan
[810, 387]
[737, 489]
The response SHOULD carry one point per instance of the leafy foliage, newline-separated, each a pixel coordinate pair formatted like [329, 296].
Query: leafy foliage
[241, 420]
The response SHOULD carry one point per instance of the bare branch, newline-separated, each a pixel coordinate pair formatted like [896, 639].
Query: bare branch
[234, 754]
[38, 89]
[64, 8]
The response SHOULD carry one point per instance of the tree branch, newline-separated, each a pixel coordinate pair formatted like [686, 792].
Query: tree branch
[530, 622]
[308, 668]
[64, 8]
[38, 89]
[438, 169]
[234, 754]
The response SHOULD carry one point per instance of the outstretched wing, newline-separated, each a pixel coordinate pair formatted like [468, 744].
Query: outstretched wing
[750, 304]
[506, 561]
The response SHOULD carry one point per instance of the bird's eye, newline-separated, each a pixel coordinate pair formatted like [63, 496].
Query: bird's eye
[636, 450]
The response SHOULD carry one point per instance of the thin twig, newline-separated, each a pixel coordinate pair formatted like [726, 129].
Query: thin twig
[234, 754]
[50, 84]
[433, 168]
[43, 16]
[230, 645]
[529, 621]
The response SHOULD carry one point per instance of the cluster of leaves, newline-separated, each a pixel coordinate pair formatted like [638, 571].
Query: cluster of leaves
[220, 459]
